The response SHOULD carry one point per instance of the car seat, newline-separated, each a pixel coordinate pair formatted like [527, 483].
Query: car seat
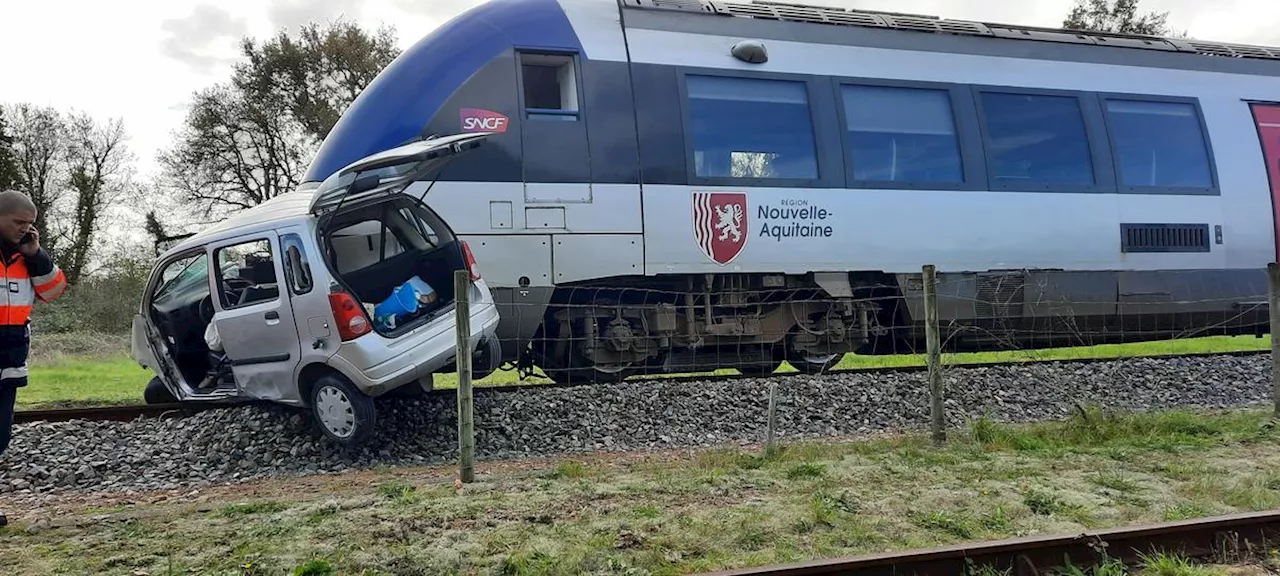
[261, 273]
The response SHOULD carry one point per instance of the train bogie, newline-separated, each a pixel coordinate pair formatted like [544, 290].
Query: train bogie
[751, 322]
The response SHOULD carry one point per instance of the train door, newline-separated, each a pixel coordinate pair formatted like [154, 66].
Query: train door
[557, 167]
[1267, 118]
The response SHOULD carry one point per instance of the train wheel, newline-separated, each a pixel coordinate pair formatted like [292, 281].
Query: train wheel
[809, 363]
[759, 369]
[813, 364]
[583, 372]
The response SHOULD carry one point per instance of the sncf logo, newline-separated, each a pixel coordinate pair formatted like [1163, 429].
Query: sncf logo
[478, 120]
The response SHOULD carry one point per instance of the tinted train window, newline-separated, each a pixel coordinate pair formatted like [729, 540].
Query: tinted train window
[1159, 144]
[550, 86]
[901, 134]
[749, 128]
[1036, 139]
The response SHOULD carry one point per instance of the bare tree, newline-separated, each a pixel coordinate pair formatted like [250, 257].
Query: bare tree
[99, 165]
[235, 152]
[39, 146]
[9, 176]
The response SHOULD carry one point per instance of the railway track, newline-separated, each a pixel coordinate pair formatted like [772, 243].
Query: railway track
[130, 412]
[1228, 539]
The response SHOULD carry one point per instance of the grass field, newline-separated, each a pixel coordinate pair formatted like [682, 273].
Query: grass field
[676, 513]
[89, 369]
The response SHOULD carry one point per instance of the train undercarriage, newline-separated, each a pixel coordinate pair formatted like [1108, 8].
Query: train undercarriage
[612, 329]
[752, 323]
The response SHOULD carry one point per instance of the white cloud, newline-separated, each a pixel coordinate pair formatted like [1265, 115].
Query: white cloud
[201, 38]
[141, 60]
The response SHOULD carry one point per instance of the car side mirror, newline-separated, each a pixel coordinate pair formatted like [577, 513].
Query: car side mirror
[365, 183]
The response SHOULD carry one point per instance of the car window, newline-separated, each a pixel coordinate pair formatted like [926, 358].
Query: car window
[247, 273]
[297, 270]
[182, 275]
[424, 228]
[383, 232]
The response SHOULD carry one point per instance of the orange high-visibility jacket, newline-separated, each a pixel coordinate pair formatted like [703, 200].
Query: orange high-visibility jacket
[25, 280]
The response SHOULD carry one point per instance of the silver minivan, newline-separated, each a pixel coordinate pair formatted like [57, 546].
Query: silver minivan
[325, 298]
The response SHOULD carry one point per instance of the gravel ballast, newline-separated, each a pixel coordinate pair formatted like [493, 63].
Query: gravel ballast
[253, 442]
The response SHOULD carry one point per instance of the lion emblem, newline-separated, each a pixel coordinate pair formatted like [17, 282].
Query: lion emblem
[729, 221]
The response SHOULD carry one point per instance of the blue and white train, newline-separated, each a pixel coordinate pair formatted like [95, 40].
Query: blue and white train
[700, 184]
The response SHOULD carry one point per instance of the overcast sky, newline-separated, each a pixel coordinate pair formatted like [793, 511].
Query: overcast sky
[65, 53]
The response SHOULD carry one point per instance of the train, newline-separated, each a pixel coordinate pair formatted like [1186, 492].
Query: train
[694, 185]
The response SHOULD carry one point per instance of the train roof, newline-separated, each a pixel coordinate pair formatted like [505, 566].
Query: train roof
[835, 16]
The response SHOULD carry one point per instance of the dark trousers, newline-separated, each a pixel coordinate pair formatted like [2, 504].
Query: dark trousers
[8, 394]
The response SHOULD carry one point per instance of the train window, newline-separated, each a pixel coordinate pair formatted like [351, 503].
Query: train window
[751, 128]
[1159, 144]
[1036, 139]
[902, 134]
[550, 86]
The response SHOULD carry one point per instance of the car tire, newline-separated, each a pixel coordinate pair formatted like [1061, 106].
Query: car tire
[342, 412]
[487, 359]
[156, 393]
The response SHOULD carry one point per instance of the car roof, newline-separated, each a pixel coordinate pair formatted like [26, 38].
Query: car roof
[264, 216]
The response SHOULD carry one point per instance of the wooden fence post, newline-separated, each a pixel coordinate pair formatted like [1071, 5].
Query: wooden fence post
[466, 432]
[934, 346]
[770, 450]
[1273, 309]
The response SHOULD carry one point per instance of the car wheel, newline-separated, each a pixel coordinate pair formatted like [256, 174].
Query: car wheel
[343, 413]
[156, 393]
[487, 360]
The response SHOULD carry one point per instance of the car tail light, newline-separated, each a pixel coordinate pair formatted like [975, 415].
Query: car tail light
[471, 262]
[349, 315]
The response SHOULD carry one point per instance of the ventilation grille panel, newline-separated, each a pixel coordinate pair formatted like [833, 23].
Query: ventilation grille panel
[1000, 296]
[1164, 238]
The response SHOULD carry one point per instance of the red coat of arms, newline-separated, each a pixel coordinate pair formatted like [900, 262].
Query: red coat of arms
[720, 224]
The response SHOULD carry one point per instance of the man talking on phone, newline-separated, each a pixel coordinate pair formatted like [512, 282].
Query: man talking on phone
[27, 274]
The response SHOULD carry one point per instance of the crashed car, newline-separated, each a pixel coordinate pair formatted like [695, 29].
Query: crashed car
[323, 298]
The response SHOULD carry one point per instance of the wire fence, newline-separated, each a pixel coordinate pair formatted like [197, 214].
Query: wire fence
[760, 325]
[728, 325]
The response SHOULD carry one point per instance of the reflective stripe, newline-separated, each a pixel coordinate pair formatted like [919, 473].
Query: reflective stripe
[11, 373]
[19, 292]
[50, 285]
[47, 278]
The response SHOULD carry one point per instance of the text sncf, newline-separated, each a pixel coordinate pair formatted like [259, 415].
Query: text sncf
[478, 120]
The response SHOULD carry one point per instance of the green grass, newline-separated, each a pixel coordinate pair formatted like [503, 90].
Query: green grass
[709, 510]
[77, 370]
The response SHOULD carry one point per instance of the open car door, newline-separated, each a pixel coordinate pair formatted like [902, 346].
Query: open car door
[390, 171]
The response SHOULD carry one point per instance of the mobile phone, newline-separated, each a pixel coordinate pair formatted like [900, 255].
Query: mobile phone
[27, 239]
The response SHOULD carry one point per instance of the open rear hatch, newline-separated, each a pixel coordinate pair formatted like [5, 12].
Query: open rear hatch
[393, 256]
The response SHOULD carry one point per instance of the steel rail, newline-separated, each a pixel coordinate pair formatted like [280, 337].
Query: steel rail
[130, 412]
[121, 413]
[1229, 537]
